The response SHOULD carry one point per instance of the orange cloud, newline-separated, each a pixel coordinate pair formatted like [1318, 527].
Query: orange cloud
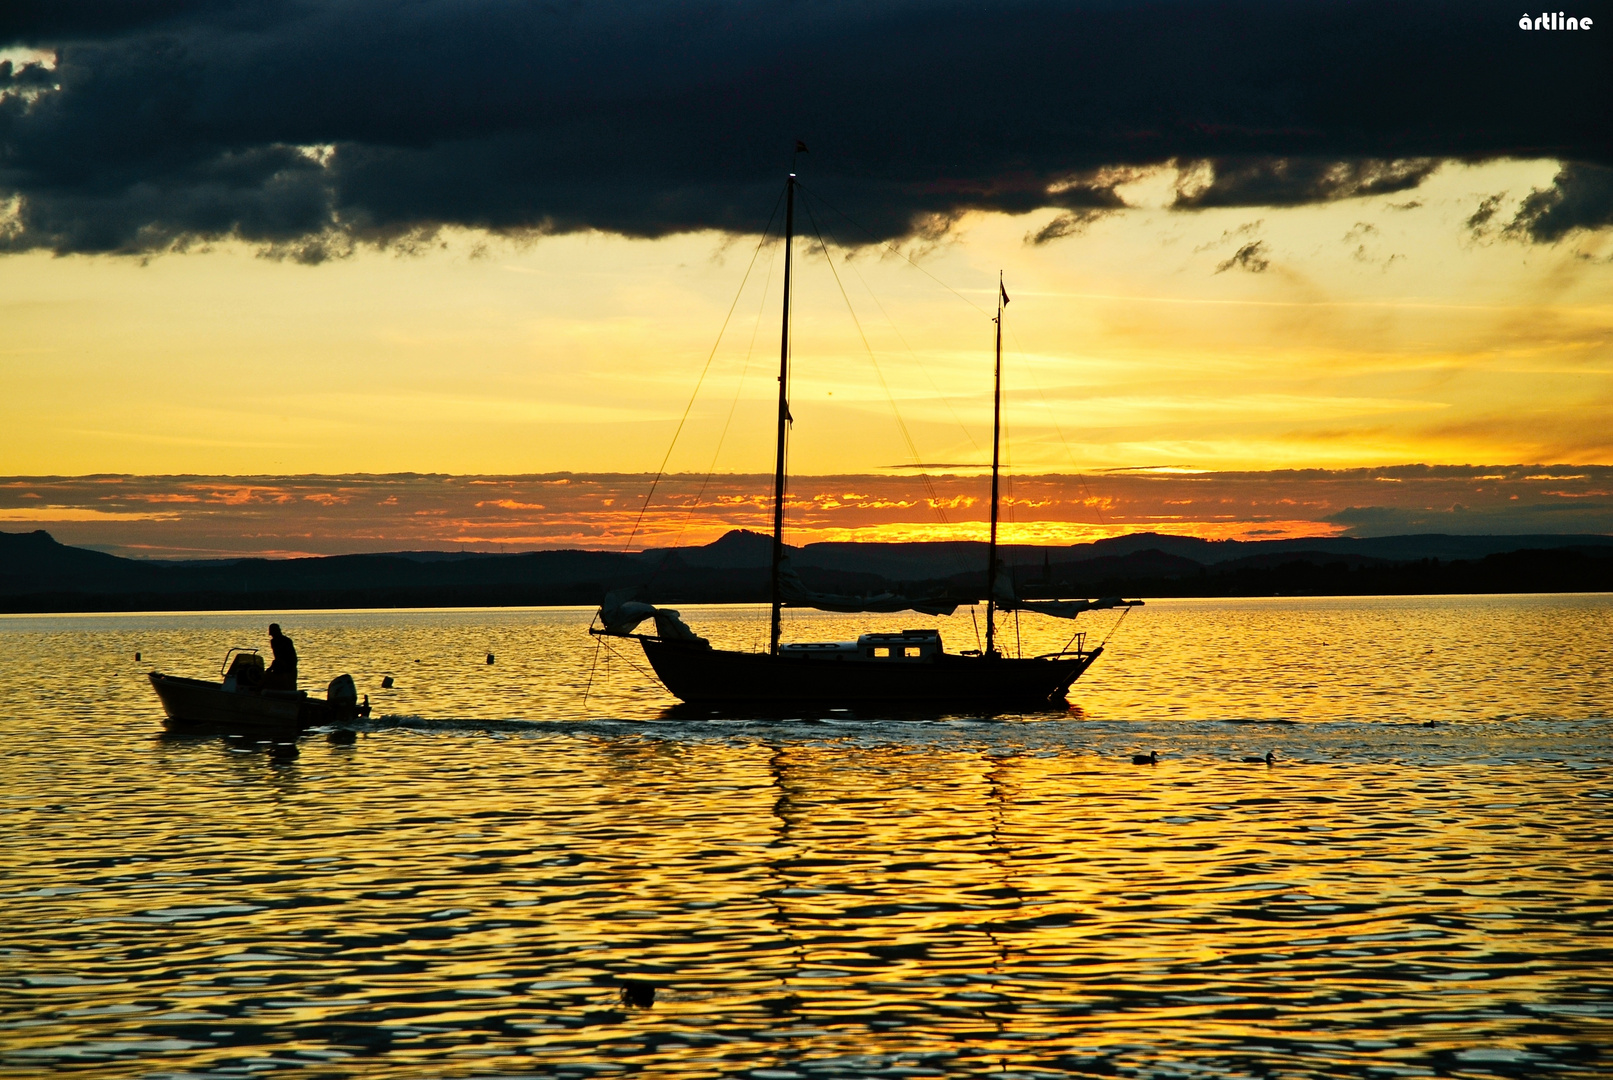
[327, 515]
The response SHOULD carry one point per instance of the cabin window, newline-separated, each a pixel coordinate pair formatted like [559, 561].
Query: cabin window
[912, 650]
[880, 650]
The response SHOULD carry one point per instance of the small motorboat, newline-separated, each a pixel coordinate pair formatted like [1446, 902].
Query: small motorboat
[241, 699]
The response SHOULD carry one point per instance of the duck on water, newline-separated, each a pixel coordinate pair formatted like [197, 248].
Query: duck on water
[910, 666]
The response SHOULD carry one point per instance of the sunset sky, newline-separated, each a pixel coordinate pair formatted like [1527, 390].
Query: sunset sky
[336, 241]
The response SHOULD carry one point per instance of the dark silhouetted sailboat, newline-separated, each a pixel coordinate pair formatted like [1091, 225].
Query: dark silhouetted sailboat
[909, 667]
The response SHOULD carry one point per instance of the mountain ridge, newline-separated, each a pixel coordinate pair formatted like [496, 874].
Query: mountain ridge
[39, 574]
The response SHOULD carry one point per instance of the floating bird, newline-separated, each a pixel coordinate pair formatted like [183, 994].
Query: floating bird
[1270, 757]
[1150, 758]
[489, 658]
[640, 995]
[343, 736]
[386, 683]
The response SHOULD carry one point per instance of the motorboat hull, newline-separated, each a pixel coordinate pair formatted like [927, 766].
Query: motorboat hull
[195, 701]
[696, 673]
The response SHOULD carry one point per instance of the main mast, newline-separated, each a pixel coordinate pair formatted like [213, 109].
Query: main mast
[996, 443]
[784, 421]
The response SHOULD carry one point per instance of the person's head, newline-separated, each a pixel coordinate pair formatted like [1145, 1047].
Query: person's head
[274, 629]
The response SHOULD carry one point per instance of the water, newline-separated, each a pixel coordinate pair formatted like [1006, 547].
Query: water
[465, 891]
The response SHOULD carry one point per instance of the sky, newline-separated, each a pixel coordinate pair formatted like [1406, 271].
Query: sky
[1310, 248]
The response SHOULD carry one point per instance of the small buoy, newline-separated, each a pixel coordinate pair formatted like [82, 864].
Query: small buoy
[386, 683]
[1150, 758]
[489, 658]
[137, 656]
[343, 736]
[640, 995]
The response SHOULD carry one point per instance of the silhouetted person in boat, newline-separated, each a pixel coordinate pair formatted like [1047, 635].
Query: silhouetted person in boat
[282, 673]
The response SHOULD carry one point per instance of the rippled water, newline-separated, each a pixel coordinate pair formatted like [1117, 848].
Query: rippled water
[466, 890]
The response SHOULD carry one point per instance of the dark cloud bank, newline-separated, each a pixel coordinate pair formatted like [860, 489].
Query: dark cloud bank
[309, 126]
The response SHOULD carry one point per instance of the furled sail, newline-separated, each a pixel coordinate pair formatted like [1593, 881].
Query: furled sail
[1005, 599]
[622, 616]
[1067, 609]
[795, 593]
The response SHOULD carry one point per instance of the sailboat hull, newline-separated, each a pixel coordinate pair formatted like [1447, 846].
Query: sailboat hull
[697, 673]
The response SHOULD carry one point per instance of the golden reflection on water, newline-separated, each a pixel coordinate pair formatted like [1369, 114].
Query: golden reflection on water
[459, 894]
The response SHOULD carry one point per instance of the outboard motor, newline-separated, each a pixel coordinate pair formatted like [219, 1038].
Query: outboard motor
[341, 693]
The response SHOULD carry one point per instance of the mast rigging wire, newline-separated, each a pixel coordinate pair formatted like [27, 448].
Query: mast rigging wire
[732, 406]
[901, 254]
[1123, 613]
[935, 498]
[1051, 415]
[896, 251]
[700, 381]
[586, 690]
[872, 295]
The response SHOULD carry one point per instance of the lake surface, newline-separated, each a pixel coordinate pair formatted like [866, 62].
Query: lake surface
[465, 891]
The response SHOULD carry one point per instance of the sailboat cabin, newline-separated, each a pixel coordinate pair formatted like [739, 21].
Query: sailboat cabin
[906, 645]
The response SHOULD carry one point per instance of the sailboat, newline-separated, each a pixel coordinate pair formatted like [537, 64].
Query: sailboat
[909, 667]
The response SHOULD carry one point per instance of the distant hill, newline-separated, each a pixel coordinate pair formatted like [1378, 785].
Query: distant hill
[39, 574]
[944, 558]
[34, 563]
